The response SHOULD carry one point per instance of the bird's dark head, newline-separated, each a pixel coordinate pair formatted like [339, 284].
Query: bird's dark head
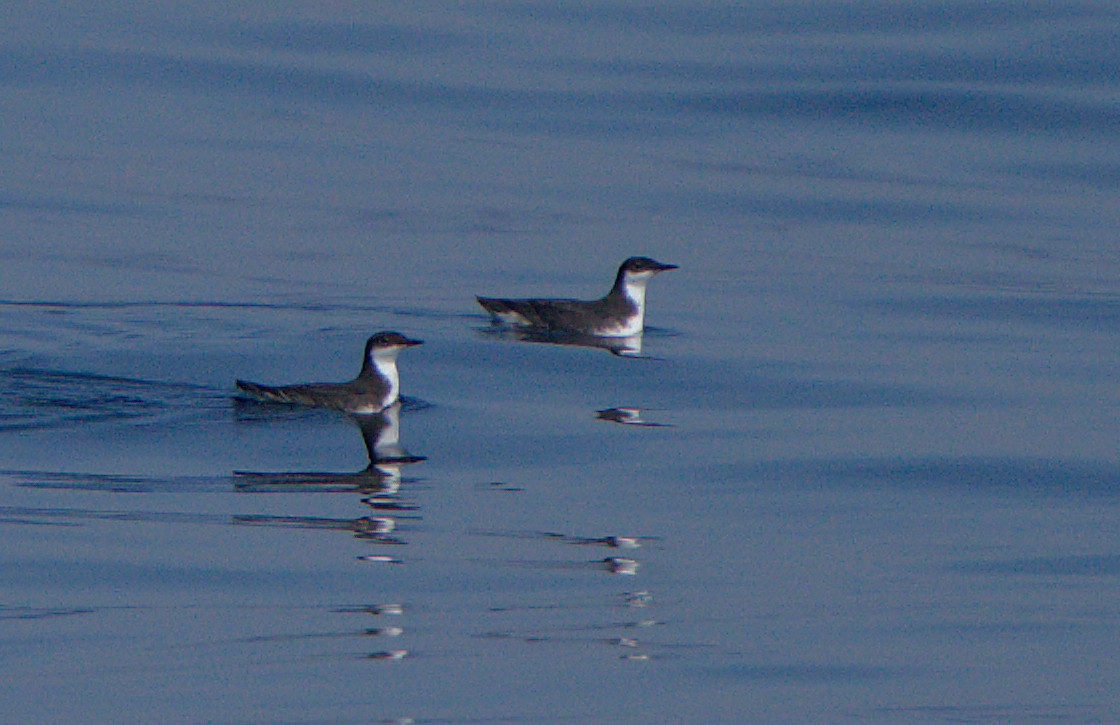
[644, 265]
[388, 339]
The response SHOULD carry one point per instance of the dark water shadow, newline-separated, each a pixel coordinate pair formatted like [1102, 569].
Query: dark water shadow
[34, 613]
[114, 483]
[42, 399]
[76, 516]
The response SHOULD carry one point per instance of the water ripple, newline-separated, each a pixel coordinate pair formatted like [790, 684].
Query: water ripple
[36, 399]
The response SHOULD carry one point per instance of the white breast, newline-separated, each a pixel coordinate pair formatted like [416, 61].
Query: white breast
[634, 287]
[385, 361]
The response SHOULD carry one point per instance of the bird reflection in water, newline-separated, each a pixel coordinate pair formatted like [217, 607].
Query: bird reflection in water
[626, 634]
[628, 416]
[381, 435]
[613, 541]
[621, 565]
[380, 481]
[574, 622]
[629, 346]
[385, 631]
[370, 528]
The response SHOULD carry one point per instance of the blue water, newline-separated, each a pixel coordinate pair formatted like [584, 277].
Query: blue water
[882, 480]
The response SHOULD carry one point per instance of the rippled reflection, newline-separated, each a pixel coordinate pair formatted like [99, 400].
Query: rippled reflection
[582, 620]
[42, 399]
[627, 416]
[381, 436]
[630, 346]
[379, 487]
[380, 482]
[370, 528]
[634, 636]
[613, 541]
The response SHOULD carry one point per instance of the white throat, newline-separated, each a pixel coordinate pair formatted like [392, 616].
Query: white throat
[634, 287]
[385, 363]
[388, 443]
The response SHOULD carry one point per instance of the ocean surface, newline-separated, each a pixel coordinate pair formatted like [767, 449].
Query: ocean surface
[864, 468]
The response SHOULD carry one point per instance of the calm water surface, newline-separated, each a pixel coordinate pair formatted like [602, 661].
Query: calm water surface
[876, 475]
